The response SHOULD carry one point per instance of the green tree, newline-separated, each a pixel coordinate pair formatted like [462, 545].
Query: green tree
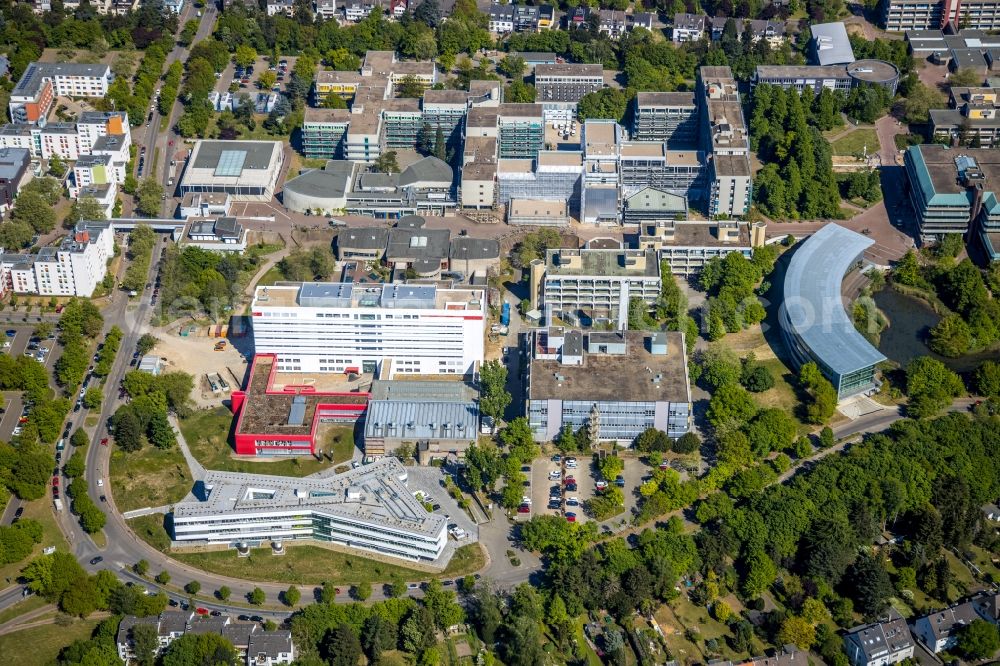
[797, 631]
[987, 379]
[607, 103]
[92, 398]
[978, 640]
[257, 597]
[141, 567]
[84, 208]
[193, 587]
[163, 578]
[15, 234]
[931, 386]
[341, 646]
[951, 336]
[291, 596]
[965, 77]
[149, 197]
[223, 593]
[686, 443]
[494, 397]
[32, 209]
[266, 80]
[871, 584]
[760, 574]
[519, 92]
[145, 643]
[387, 163]
[244, 56]
[362, 591]
[822, 396]
[200, 649]
[146, 344]
[74, 467]
[730, 407]
[512, 66]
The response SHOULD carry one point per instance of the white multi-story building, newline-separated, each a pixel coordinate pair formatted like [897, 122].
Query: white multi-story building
[93, 132]
[343, 327]
[368, 508]
[595, 281]
[725, 139]
[75, 268]
[42, 82]
[880, 643]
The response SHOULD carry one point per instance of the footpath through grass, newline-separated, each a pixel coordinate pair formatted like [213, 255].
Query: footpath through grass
[312, 565]
[40, 646]
[207, 435]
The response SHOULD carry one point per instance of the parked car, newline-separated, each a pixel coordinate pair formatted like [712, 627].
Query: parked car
[96, 560]
[571, 517]
[524, 508]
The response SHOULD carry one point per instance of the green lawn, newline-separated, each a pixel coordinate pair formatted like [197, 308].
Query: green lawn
[207, 434]
[782, 395]
[40, 646]
[150, 529]
[855, 141]
[311, 565]
[149, 477]
[272, 275]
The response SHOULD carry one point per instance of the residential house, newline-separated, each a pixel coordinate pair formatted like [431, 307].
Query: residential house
[612, 23]
[286, 7]
[939, 631]
[881, 643]
[689, 28]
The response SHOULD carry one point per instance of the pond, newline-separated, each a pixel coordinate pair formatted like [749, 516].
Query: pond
[910, 322]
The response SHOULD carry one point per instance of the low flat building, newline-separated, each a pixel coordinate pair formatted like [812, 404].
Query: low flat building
[366, 509]
[686, 246]
[801, 77]
[324, 190]
[438, 418]
[973, 118]
[197, 204]
[246, 170]
[13, 168]
[535, 212]
[814, 323]
[473, 256]
[223, 234]
[879, 643]
[272, 421]
[597, 282]
[365, 244]
[625, 381]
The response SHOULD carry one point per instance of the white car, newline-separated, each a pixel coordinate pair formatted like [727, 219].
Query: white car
[100, 483]
[572, 501]
[17, 431]
[525, 500]
[555, 476]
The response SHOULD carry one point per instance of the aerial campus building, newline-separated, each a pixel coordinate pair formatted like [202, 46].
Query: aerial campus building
[368, 508]
[813, 320]
[954, 191]
[348, 328]
[246, 170]
[627, 381]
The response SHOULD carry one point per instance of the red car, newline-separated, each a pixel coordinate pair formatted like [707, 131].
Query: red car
[524, 508]
[104, 441]
[664, 465]
[568, 480]
[55, 481]
[571, 517]
[201, 611]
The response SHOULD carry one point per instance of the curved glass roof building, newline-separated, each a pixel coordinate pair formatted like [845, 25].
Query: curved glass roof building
[813, 320]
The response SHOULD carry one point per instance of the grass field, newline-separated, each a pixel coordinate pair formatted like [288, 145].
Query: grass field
[854, 142]
[40, 646]
[312, 565]
[272, 275]
[207, 435]
[149, 477]
[782, 395]
[150, 529]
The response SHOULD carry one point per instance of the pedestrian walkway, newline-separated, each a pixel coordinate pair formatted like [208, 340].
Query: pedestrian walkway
[148, 511]
[197, 469]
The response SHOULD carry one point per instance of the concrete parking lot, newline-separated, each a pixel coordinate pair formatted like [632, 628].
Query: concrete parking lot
[259, 67]
[586, 476]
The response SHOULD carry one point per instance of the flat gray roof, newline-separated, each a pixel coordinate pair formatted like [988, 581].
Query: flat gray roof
[467, 248]
[422, 419]
[257, 153]
[333, 180]
[814, 305]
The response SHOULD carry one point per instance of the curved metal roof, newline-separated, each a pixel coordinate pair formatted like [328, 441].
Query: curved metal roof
[813, 303]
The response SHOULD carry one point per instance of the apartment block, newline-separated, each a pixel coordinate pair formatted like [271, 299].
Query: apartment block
[801, 77]
[621, 381]
[318, 327]
[670, 117]
[880, 643]
[726, 142]
[74, 268]
[651, 164]
[94, 132]
[41, 83]
[689, 28]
